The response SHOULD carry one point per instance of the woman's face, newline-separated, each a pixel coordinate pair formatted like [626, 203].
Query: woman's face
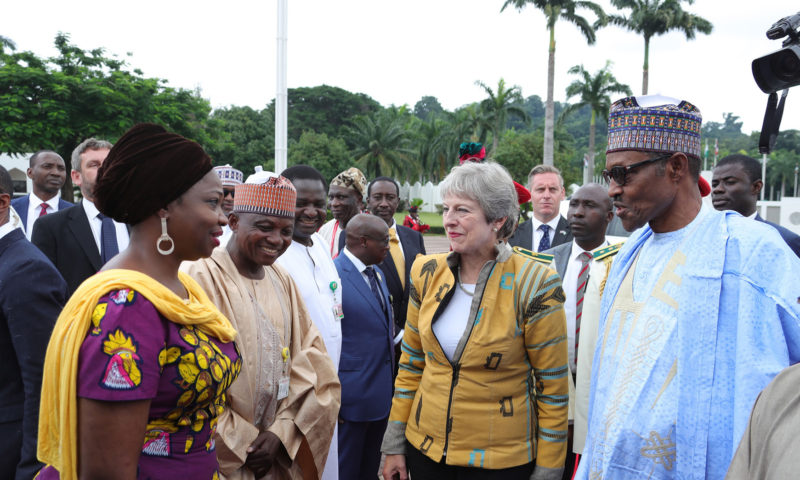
[195, 219]
[466, 225]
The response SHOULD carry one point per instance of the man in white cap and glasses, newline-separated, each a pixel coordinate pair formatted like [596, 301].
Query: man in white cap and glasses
[281, 410]
[230, 177]
[700, 309]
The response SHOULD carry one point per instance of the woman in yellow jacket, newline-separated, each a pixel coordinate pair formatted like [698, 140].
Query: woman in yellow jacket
[482, 387]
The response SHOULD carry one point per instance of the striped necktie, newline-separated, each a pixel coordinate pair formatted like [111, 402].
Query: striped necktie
[583, 280]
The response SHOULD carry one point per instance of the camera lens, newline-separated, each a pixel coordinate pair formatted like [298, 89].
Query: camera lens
[785, 64]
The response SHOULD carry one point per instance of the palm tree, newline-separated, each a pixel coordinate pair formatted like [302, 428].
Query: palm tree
[382, 146]
[553, 11]
[498, 106]
[657, 17]
[433, 137]
[594, 92]
[6, 42]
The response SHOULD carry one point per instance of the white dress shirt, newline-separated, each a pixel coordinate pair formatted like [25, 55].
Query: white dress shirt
[318, 281]
[97, 225]
[34, 210]
[538, 234]
[570, 286]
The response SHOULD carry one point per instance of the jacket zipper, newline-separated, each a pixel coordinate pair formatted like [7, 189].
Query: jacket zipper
[455, 366]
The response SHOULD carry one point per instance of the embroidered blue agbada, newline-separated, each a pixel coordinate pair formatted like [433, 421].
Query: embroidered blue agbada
[677, 374]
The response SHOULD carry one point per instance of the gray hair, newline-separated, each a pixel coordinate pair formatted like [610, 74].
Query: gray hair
[88, 144]
[491, 186]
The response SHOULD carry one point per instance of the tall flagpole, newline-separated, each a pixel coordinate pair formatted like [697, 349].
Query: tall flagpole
[281, 95]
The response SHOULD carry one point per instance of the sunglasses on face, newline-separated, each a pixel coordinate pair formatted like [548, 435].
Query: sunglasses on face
[228, 191]
[620, 173]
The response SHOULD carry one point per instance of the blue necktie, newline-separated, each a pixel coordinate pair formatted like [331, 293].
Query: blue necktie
[373, 284]
[108, 239]
[544, 243]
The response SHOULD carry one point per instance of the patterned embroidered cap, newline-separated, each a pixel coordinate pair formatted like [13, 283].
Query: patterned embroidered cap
[351, 178]
[265, 193]
[229, 175]
[654, 123]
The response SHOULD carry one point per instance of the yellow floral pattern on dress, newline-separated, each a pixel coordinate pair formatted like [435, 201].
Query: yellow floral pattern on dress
[97, 317]
[205, 373]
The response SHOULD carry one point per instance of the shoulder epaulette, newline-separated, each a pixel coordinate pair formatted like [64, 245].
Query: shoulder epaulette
[538, 257]
[608, 251]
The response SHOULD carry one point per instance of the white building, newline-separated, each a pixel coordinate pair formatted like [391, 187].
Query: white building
[17, 166]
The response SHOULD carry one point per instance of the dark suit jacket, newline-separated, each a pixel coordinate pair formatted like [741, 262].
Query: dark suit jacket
[32, 294]
[791, 238]
[560, 258]
[21, 205]
[523, 236]
[365, 366]
[65, 237]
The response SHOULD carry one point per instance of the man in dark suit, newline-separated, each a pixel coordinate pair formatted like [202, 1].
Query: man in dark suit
[365, 367]
[583, 265]
[32, 294]
[383, 196]
[736, 184]
[547, 228]
[80, 240]
[48, 174]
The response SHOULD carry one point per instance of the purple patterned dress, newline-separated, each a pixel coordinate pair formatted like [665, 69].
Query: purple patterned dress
[131, 352]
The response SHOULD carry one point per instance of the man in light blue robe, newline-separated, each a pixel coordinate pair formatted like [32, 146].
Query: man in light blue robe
[700, 309]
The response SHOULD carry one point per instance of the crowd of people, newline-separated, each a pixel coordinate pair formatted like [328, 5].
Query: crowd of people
[190, 321]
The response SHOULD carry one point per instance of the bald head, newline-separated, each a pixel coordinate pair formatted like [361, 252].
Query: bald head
[367, 238]
[597, 192]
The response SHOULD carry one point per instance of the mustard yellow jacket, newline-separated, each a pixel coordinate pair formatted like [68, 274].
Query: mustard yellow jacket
[502, 401]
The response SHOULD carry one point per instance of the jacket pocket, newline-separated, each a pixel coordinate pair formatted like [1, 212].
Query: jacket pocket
[350, 364]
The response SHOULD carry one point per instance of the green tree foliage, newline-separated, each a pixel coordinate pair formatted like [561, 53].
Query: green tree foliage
[427, 107]
[382, 144]
[324, 109]
[595, 92]
[500, 104]
[650, 18]
[327, 154]
[555, 10]
[57, 102]
[244, 138]
[519, 152]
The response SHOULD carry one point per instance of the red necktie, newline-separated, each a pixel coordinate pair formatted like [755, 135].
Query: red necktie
[44, 210]
[583, 279]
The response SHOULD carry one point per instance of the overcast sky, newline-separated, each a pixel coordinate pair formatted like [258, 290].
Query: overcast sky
[398, 51]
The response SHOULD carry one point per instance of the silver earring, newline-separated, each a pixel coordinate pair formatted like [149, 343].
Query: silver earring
[164, 238]
[494, 229]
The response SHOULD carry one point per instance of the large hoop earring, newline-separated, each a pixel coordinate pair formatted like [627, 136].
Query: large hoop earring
[164, 238]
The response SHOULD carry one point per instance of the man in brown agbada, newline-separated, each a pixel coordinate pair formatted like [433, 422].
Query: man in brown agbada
[284, 404]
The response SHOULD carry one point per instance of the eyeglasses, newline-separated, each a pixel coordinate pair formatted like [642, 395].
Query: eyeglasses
[228, 191]
[620, 173]
[382, 240]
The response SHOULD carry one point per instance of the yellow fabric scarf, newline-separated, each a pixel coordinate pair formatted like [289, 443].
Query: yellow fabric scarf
[58, 414]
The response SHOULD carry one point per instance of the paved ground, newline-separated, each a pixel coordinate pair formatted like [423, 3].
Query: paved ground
[436, 243]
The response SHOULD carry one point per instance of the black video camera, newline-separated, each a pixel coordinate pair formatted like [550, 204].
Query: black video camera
[778, 71]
